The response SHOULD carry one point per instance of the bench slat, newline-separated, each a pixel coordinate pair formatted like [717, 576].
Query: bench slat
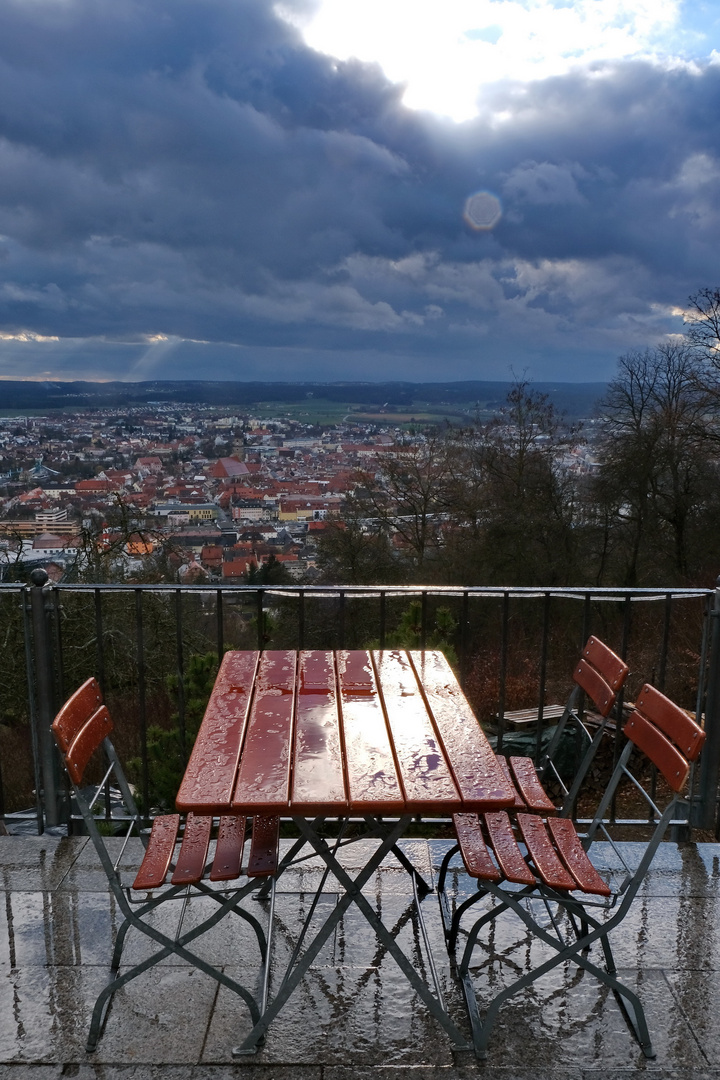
[229, 850]
[156, 861]
[543, 854]
[474, 850]
[575, 857]
[263, 858]
[507, 852]
[193, 850]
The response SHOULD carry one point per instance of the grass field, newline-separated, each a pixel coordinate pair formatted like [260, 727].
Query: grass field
[323, 412]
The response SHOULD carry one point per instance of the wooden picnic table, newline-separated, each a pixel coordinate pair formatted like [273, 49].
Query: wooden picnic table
[340, 733]
[379, 736]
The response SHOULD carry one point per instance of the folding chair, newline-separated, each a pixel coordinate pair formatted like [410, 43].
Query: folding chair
[554, 872]
[599, 674]
[83, 726]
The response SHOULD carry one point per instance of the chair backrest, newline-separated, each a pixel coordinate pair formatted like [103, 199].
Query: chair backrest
[671, 740]
[666, 734]
[600, 673]
[76, 711]
[80, 727]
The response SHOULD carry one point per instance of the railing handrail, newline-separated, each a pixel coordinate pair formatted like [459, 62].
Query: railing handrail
[561, 591]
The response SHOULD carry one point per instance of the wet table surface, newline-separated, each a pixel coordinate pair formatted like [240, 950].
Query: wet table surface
[336, 733]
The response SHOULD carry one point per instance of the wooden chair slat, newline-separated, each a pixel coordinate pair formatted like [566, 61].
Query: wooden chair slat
[611, 667]
[476, 856]
[543, 854]
[575, 857]
[76, 712]
[648, 738]
[227, 863]
[86, 742]
[680, 728]
[507, 852]
[595, 686]
[263, 858]
[156, 861]
[531, 789]
[193, 850]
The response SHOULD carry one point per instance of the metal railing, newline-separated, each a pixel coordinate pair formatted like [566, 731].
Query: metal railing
[512, 648]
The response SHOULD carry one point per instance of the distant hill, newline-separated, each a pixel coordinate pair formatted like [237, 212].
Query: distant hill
[576, 399]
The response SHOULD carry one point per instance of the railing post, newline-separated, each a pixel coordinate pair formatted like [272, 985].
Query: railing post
[44, 697]
[705, 808]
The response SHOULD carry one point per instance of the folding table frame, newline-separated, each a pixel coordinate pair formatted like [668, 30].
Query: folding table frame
[299, 964]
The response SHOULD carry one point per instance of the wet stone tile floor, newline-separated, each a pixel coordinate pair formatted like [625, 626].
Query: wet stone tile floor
[354, 1017]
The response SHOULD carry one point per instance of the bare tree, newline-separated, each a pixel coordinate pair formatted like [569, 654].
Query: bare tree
[658, 465]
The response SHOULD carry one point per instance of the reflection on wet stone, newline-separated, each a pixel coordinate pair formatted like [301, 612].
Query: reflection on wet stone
[355, 1014]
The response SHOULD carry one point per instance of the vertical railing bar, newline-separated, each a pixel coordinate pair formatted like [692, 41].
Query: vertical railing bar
[341, 621]
[464, 638]
[586, 620]
[220, 628]
[44, 689]
[543, 674]
[260, 620]
[301, 619]
[699, 815]
[665, 643]
[35, 742]
[180, 669]
[60, 685]
[140, 647]
[423, 618]
[99, 639]
[503, 669]
[382, 618]
[59, 661]
[620, 697]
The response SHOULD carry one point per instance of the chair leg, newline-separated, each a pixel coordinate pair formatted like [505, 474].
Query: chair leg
[628, 1000]
[168, 947]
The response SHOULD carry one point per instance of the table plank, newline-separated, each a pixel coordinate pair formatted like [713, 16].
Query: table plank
[318, 783]
[475, 768]
[425, 773]
[264, 775]
[207, 785]
[373, 784]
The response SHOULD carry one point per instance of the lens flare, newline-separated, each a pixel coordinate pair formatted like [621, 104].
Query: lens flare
[482, 211]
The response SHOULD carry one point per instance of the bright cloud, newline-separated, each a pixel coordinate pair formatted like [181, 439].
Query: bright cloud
[446, 51]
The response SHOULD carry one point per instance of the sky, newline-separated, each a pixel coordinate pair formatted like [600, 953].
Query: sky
[334, 190]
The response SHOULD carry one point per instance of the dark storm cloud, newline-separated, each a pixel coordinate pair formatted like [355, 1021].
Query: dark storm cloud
[192, 171]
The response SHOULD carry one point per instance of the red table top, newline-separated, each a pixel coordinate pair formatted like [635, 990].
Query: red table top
[332, 733]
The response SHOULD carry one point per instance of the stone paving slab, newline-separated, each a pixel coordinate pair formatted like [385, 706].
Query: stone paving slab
[354, 1017]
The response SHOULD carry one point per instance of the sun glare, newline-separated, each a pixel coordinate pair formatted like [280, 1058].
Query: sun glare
[446, 52]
